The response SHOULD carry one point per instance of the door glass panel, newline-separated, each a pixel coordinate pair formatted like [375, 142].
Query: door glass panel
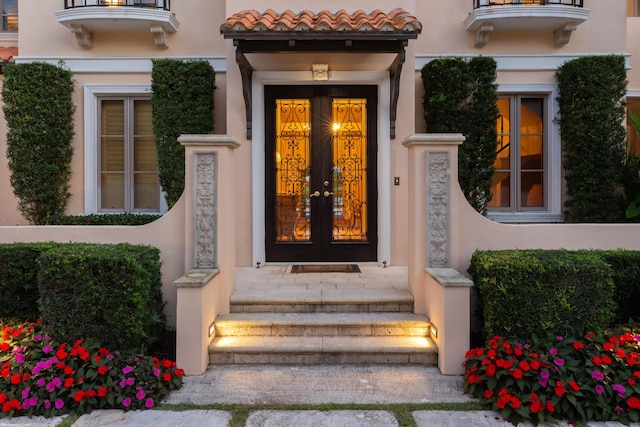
[501, 181]
[293, 127]
[349, 169]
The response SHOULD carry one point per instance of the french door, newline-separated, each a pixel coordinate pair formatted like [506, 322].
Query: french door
[321, 181]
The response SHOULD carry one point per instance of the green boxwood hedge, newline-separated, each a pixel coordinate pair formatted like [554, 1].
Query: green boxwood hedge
[109, 292]
[526, 292]
[103, 219]
[19, 279]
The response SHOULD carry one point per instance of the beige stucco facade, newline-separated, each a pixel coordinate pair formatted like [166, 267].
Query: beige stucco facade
[119, 62]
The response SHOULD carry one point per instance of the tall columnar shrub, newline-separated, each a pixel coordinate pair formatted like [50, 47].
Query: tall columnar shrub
[461, 96]
[182, 102]
[38, 108]
[592, 110]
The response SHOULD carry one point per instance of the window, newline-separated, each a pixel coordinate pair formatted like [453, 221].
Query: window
[9, 15]
[127, 160]
[519, 181]
[633, 8]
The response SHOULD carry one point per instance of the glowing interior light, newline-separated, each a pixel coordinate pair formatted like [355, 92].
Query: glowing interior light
[336, 127]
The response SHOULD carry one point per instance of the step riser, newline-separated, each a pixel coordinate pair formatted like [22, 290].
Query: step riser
[428, 359]
[323, 331]
[323, 308]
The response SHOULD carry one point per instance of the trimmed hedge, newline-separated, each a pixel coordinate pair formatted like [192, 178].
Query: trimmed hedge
[103, 219]
[461, 96]
[182, 103]
[527, 292]
[19, 279]
[112, 293]
[592, 110]
[39, 109]
[625, 271]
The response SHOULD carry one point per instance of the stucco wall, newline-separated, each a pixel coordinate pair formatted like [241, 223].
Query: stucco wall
[166, 233]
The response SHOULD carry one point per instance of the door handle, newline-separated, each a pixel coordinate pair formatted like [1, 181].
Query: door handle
[314, 194]
[327, 193]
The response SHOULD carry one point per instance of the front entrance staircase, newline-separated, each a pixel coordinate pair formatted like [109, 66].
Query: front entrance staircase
[278, 317]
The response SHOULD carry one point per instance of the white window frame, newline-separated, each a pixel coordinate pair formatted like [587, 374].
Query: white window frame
[3, 18]
[92, 96]
[552, 158]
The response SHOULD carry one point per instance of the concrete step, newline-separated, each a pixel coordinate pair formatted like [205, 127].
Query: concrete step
[322, 350]
[356, 300]
[322, 324]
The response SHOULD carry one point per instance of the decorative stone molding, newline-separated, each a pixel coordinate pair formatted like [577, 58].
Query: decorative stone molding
[84, 37]
[438, 239]
[206, 210]
[562, 34]
[160, 37]
[482, 34]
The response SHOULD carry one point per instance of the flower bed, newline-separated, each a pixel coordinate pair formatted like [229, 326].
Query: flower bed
[41, 377]
[596, 377]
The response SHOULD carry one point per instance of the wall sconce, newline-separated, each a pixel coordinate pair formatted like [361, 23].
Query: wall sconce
[320, 72]
[212, 329]
[434, 331]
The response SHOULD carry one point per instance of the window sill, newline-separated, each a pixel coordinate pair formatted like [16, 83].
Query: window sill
[525, 217]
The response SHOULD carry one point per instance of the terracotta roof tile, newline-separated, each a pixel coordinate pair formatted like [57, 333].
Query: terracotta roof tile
[397, 21]
[6, 53]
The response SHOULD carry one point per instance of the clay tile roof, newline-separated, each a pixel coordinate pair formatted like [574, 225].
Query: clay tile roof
[6, 53]
[251, 22]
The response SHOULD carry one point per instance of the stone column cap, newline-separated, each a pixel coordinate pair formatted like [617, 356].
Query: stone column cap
[433, 139]
[209, 139]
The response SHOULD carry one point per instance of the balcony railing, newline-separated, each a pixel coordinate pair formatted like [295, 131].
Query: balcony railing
[486, 3]
[151, 4]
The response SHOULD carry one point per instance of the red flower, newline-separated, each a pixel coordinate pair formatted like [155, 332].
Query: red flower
[89, 394]
[166, 363]
[535, 364]
[3, 398]
[102, 370]
[596, 360]
[68, 370]
[16, 378]
[550, 407]
[6, 372]
[606, 359]
[502, 402]
[574, 385]
[4, 346]
[178, 372]
[607, 346]
[524, 365]
[517, 373]
[518, 351]
[620, 352]
[61, 354]
[636, 374]
[78, 396]
[68, 382]
[491, 370]
[167, 378]
[488, 394]
[559, 389]
[631, 361]
[515, 402]
[491, 354]
[103, 351]
[578, 345]
[102, 392]
[536, 406]
[11, 404]
[633, 402]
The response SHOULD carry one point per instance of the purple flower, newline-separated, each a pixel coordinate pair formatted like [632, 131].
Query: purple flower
[126, 402]
[41, 382]
[544, 375]
[122, 383]
[20, 358]
[597, 375]
[619, 410]
[50, 387]
[57, 382]
[25, 392]
[59, 404]
[558, 361]
[559, 338]
[553, 351]
[599, 389]
[543, 383]
[131, 381]
[37, 338]
[156, 372]
[47, 404]
[148, 403]
[140, 394]
[47, 349]
[127, 369]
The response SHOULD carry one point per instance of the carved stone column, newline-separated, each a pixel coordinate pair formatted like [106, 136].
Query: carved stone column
[437, 209]
[206, 210]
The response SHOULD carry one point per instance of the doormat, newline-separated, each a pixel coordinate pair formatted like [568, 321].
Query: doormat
[336, 268]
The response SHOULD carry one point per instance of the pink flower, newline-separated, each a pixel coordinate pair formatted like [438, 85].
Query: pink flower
[597, 375]
[126, 402]
[127, 369]
[148, 403]
[140, 394]
[59, 404]
[599, 389]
